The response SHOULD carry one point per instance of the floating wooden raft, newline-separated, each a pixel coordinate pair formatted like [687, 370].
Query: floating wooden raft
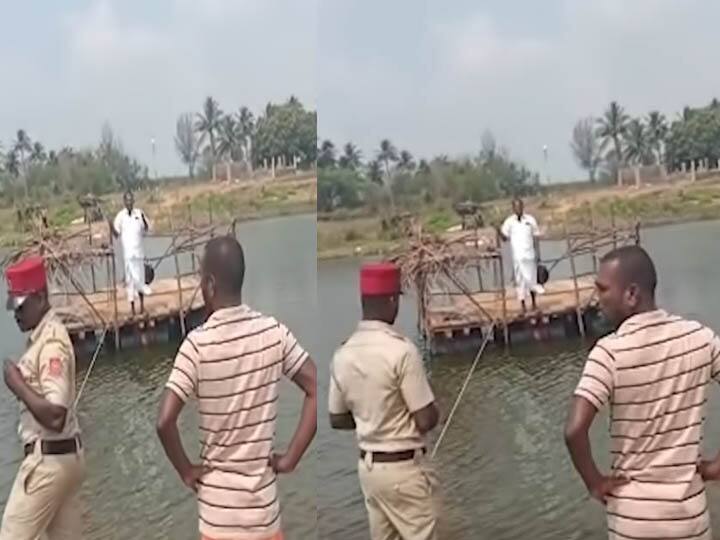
[89, 313]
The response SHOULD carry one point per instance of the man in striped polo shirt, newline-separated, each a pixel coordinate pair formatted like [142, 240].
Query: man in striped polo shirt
[232, 366]
[653, 372]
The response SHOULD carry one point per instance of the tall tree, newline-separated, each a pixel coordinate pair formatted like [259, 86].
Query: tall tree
[406, 161]
[208, 123]
[612, 127]
[326, 155]
[23, 147]
[375, 172]
[229, 142]
[657, 130]
[246, 127]
[351, 157]
[638, 148]
[585, 146]
[187, 142]
[37, 154]
[388, 153]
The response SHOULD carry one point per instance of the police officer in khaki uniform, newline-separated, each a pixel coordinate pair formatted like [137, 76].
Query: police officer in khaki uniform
[378, 388]
[44, 498]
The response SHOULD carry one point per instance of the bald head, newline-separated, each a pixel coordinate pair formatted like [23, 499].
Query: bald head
[634, 266]
[224, 261]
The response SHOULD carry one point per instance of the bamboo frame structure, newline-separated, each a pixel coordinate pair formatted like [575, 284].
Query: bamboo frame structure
[442, 268]
[89, 307]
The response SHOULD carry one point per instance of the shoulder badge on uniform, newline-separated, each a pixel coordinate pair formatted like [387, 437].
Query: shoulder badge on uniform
[55, 366]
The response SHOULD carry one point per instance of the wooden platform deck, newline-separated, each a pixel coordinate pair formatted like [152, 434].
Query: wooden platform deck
[163, 304]
[461, 315]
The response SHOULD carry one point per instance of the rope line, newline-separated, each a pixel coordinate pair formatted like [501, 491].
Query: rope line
[90, 368]
[462, 390]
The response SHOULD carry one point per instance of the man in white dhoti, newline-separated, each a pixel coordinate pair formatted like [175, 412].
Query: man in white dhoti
[522, 231]
[130, 226]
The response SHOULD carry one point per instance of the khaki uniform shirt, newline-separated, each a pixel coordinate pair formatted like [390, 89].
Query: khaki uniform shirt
[48, 366]
[379, 377]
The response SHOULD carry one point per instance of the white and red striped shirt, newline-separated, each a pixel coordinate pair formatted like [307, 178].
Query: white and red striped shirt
[654, 374]
[232, 366]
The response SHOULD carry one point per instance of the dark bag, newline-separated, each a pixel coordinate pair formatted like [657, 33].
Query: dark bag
[149, 274]
[542, 274]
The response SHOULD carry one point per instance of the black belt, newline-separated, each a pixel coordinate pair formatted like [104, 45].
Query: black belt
[391, 457]
[55, 448]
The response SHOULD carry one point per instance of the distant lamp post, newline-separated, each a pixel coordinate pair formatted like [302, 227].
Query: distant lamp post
[152, 142]
[547, 171]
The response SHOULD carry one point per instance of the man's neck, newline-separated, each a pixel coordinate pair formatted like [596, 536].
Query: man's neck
[370, 318]
[226, 303]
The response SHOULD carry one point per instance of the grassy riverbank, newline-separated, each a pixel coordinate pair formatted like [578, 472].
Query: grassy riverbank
[358, 234]
[170, 206]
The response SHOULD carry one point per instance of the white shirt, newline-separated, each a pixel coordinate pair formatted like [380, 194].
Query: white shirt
[522, 233]
[131, 229]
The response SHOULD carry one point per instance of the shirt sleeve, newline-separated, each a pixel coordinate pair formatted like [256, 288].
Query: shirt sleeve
[506, 228]
[715, 357]
[598, 377]
[118, 223]
[183, 378]
[55, 373]
[414, 384]
[293, 355]
[336, 399]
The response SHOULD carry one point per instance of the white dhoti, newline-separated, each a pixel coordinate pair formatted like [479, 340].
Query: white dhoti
[135, 278]
[526, 278]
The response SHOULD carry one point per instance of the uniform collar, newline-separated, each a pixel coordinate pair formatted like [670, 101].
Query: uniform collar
[647, 317]
[375, 325]
[37, 332]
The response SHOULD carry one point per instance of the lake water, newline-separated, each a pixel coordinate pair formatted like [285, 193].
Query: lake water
[132, 491]
[503, 464]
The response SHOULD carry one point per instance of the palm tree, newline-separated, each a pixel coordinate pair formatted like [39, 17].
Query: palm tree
[374, 172]
[657, 132]
[638, 148]
[326, 155]
[187, 142]
[293, 100]
[388, 153]
[424, 167]
[351, 157]
[12, 163]
[208, 123]
[406, 162]
[229, 142]
[37, 154]
[612, 127]
[246, 127]
[23, 146]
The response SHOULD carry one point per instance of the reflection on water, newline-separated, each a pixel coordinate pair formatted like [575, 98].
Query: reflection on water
[132, 490]
[505, 471]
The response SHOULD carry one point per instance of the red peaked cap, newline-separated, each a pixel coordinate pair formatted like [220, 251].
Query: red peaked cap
[26, 277]
[380, 279]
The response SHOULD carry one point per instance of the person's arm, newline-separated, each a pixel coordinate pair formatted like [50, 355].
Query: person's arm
[306, 380]
[504, 231]
[340, 414]
[416, 391]
[181, 386]
[55, 377]
[536, 238]
[592, 393]
[146, 227]
[115, 226]
[710, 469]
[299, 367]
[49, 415]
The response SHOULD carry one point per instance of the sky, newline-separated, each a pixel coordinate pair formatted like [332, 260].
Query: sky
[433, 75]
[68, 67]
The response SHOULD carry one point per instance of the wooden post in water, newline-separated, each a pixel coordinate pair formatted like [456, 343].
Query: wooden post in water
[578, 311]
[506, 329]
[180, 295]
[592, 238]
[115, 300]
[210, 210]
